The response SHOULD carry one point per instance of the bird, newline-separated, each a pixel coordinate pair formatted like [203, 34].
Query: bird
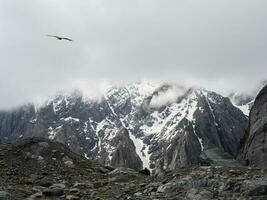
[60, 38]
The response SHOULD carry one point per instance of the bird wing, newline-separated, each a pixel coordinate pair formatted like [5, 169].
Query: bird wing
[53, 36]
[64, 38]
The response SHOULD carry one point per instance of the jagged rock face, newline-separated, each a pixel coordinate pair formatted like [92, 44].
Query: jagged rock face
[185, 149]
[166, 126]
[203, 122]
[125, 153]
[254, 151]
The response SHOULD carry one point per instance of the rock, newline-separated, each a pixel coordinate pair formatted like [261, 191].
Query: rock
[110, 168]
[257, 188]
[38, 189]
[193, 194]
[122, 170]
[165, 188]
[145, 171]
[45, 182]
[71, 197]
[103, 170]
[54, 190]
[69, 163]
[80, 185]
[93, 194]
[43, 144]
[137, 194]
[5, 195]
[54, 151]
[40, 158]
[124, 154]
[74, 191]
[36, 195]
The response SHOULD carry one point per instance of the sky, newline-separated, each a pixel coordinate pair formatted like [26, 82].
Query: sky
[220, 45]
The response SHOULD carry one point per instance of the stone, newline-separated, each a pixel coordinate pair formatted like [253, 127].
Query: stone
[110, 168]
[145, 172]
[71, 197]
[193, 194]
[54, 190]
[257, 188]
[45, 182]
[43, 144]
[69, 163]
[36, 195]
[38, 188]
[93, 194]
[40, 158]
[103, 170]
[137, 194]
[74, 191]
[80, 185]
[5, 195]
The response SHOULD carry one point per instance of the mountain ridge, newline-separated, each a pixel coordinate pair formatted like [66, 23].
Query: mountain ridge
[154, 116]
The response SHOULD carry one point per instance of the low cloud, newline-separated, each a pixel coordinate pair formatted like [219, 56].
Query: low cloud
[168, 96]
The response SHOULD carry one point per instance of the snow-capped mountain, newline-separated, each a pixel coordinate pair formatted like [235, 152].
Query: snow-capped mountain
[157, 126]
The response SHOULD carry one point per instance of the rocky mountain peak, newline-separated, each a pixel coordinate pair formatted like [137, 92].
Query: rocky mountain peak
[253, 152]
[156, 118]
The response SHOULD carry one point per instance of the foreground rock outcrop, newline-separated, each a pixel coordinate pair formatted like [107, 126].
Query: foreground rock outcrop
[254, 150]
[41, 169]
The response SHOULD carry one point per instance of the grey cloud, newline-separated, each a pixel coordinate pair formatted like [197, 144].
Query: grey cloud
[218, 44]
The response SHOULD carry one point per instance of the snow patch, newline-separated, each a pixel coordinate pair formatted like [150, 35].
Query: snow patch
[86, 156]
[141, 150]
[51, 133]
[164, 123]
[200, 140]
[205, 93]
[33, 120]
[71, 119]
[139, 91]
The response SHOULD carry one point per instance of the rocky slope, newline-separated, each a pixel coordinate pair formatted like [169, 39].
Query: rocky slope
[254, 150]
[41, 169]
[165, 126]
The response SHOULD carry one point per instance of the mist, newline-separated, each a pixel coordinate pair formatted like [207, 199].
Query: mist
[220, 45]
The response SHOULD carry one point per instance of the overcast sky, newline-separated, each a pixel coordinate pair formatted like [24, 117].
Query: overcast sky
[221, 44]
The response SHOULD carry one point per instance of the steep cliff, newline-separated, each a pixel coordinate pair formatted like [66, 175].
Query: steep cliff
[254, 150]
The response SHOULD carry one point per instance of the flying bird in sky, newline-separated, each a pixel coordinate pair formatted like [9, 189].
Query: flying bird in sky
[60, 38]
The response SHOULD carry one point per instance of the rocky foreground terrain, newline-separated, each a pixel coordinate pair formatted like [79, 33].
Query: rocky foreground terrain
[41, 169]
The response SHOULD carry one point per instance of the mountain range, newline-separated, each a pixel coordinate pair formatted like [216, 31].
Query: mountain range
[159, 126]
